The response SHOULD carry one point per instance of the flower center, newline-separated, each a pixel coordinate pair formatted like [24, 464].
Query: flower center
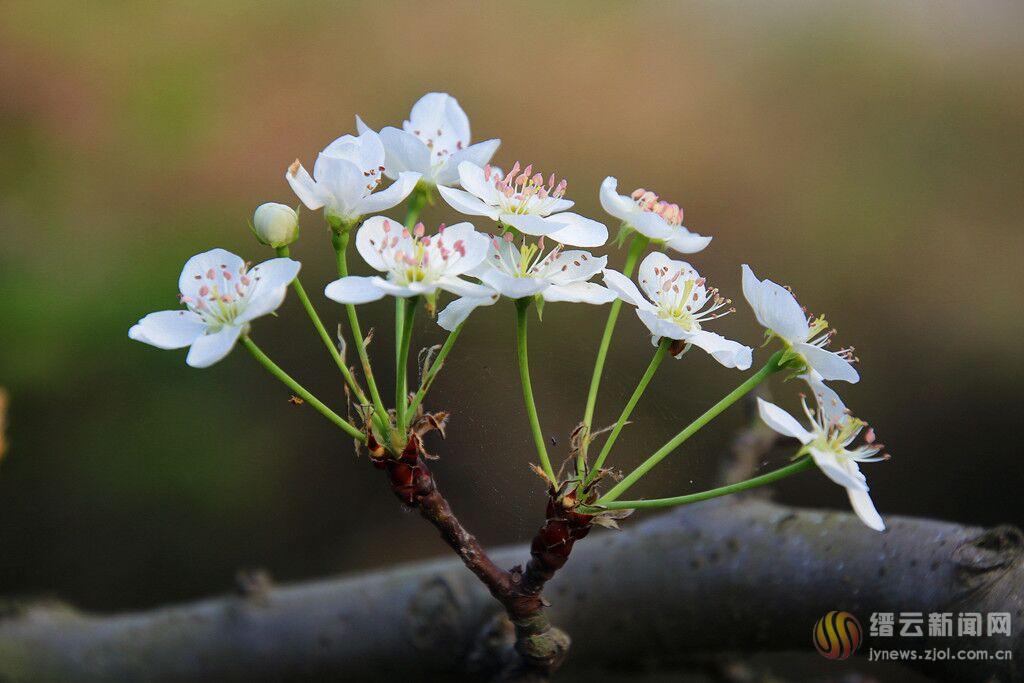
[681, 297]
[529, 260]
[836, 436]
[222, 294]
[524, 191]
[649, 202]
[819, 334]
[415, 256]
[373, 177]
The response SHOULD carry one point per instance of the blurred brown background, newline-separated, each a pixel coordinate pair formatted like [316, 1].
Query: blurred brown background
[869, 155]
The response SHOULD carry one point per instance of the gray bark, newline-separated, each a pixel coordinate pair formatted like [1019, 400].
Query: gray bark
[735, 576]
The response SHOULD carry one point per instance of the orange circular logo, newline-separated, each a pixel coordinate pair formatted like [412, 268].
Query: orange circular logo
[837, 635]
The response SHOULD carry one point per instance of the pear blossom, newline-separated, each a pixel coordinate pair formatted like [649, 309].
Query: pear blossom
[345, 177]
[677, 305]
[524, 201]
[221, 296]
[526, 270]
[414, 263]
[652, 217]
[433, 142]
[275, 225]
[777, 309]
[832, 431]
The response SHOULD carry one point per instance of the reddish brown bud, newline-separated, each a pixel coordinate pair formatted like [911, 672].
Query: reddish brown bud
[676, 347]
[408, 474]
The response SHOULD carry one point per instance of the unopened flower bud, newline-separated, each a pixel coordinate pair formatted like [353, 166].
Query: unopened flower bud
[275, 225]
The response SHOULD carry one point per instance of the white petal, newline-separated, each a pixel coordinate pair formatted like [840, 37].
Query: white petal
[832, 407]
[456, 120]
[531, 224]
[775, 308]
[403, 152]
[846, 476]
[437, 110]
[472, 179]
[361, 127]
[727, 352]
[464, 202]
[371, 147]
[651, 225]
[273, 274]
[626, 290]
[270, 284]
[476, 246]
[782, 422]
[464, 288]
[305, 188]
[403, 291]
[354, 290]
[168, 329]
[648, 278]
[343, 182]
[371, 236]
[686, 242]
[457, 311]
[865, 509]
[579, 293]
[614, 203]
[396, 192]
[581, 232]
[552, 206]
[830, 365]
[575, 265]
[660, 327]
[366, 151]
[513, 287]
[478, 154]
[197, 269]
[498, 250]
[752, 291]
[210, 348]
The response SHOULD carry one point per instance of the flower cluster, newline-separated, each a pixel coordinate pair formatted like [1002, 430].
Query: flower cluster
[533, 250]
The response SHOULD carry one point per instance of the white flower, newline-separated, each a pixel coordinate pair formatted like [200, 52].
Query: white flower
[652, 217]
[275, 225]
[221, 297]
[523, 200]
[524, 271]
[415, 263]
[677, 304]
[345, 176]
[435, 140]
[833, 429]
[777, 309]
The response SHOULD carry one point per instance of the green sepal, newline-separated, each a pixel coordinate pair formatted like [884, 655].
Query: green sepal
[624, 232]
[430, 303]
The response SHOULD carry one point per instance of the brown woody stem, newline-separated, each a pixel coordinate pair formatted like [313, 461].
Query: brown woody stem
[539, 648]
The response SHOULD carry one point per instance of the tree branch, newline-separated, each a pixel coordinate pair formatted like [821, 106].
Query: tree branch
[710, 578]
[535, 649]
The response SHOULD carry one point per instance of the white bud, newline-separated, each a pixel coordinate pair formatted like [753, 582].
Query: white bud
[275, 225]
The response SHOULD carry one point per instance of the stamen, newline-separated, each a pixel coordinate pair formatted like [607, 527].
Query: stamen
[651, 203]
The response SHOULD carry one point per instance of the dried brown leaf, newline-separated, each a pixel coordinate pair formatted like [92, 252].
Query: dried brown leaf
[540, 473]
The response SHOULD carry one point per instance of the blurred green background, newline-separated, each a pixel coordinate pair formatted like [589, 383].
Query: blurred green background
[867, 154]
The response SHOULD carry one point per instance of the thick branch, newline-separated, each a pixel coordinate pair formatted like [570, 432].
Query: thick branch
[726, 577]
